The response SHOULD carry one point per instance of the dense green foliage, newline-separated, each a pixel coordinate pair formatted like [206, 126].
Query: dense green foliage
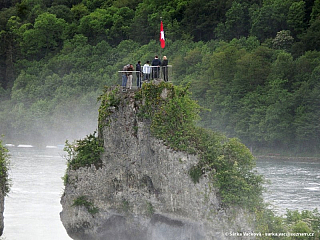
[253, 63]
[304, 222]
[84, 152]
[228, 162]
[263, 96]
[4, 167]
[173, 114]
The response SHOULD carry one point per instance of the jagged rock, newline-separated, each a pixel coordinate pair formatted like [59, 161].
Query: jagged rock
[143, 190]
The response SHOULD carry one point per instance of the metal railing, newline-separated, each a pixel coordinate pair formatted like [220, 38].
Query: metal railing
[134, 79]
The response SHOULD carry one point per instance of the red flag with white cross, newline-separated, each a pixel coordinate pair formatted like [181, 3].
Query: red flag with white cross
[162, 41]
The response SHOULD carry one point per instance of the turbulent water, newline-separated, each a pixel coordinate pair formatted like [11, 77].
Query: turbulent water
[294, 184]
[33, 205]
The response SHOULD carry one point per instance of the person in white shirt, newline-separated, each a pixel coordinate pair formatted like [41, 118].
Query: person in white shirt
[146, 71]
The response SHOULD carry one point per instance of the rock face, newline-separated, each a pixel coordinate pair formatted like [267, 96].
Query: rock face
[143, 191]
[2, 196]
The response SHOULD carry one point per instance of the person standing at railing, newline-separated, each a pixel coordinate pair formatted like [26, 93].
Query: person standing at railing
[146, 71]
[164, 66]
[156, 63]
[130, 70]
[125, 76]
[139, 73]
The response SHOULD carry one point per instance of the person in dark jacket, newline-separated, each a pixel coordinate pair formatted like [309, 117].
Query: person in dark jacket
[156, 63]
[164, 66]
[139, 74]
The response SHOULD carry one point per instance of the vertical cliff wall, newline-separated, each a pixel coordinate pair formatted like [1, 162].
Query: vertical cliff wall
[2, 197]
[4, 181]
[143, 189]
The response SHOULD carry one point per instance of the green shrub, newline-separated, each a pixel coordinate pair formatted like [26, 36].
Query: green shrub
[237, 182]
[266, 221]
[173, 115]
[292, 222]
[85, 152]
[150, 209]
[82, 201]
[195, 173]
[304, 222]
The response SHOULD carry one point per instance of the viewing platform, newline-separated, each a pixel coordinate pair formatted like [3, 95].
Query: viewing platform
[162, 73]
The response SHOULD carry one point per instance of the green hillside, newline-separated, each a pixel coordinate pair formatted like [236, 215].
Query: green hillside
[254, 64]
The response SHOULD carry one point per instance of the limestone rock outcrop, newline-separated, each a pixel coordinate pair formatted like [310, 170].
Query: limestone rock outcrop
[143, 190]
[2, 197]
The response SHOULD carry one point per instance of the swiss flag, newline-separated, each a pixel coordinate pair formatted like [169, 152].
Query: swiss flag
[162, 42]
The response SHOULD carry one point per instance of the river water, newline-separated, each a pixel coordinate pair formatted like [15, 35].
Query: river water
[33, 205]
[294, 183]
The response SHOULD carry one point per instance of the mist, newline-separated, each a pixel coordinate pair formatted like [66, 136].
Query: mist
[70, 121]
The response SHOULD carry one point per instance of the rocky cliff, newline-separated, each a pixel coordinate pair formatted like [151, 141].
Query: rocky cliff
[4, 181]
[143, 189]
[2, 196]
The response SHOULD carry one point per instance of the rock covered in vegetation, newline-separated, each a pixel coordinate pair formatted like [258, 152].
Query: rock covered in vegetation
[141, 189]
[4, 181]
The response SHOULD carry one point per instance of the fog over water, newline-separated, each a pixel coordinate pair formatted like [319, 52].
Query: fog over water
[33, 205]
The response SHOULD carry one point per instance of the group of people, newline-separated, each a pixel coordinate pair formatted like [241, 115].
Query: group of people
[145, 72]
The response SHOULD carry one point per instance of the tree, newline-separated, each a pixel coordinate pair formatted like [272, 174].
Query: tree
[236, 24]
[284, 68]
[46, 36]
[10, 49]
[283, 40]
[61, 11]
[95, 24]
[79, 11]
[110, 24]
[307, 113]
[252, 71]
[201, 17]
[311, 39]
[277, 124]
[270, 18]
[120, 28]
[296, 17]
[315, 11]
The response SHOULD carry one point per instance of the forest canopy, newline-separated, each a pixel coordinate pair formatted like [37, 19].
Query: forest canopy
[254, 64]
